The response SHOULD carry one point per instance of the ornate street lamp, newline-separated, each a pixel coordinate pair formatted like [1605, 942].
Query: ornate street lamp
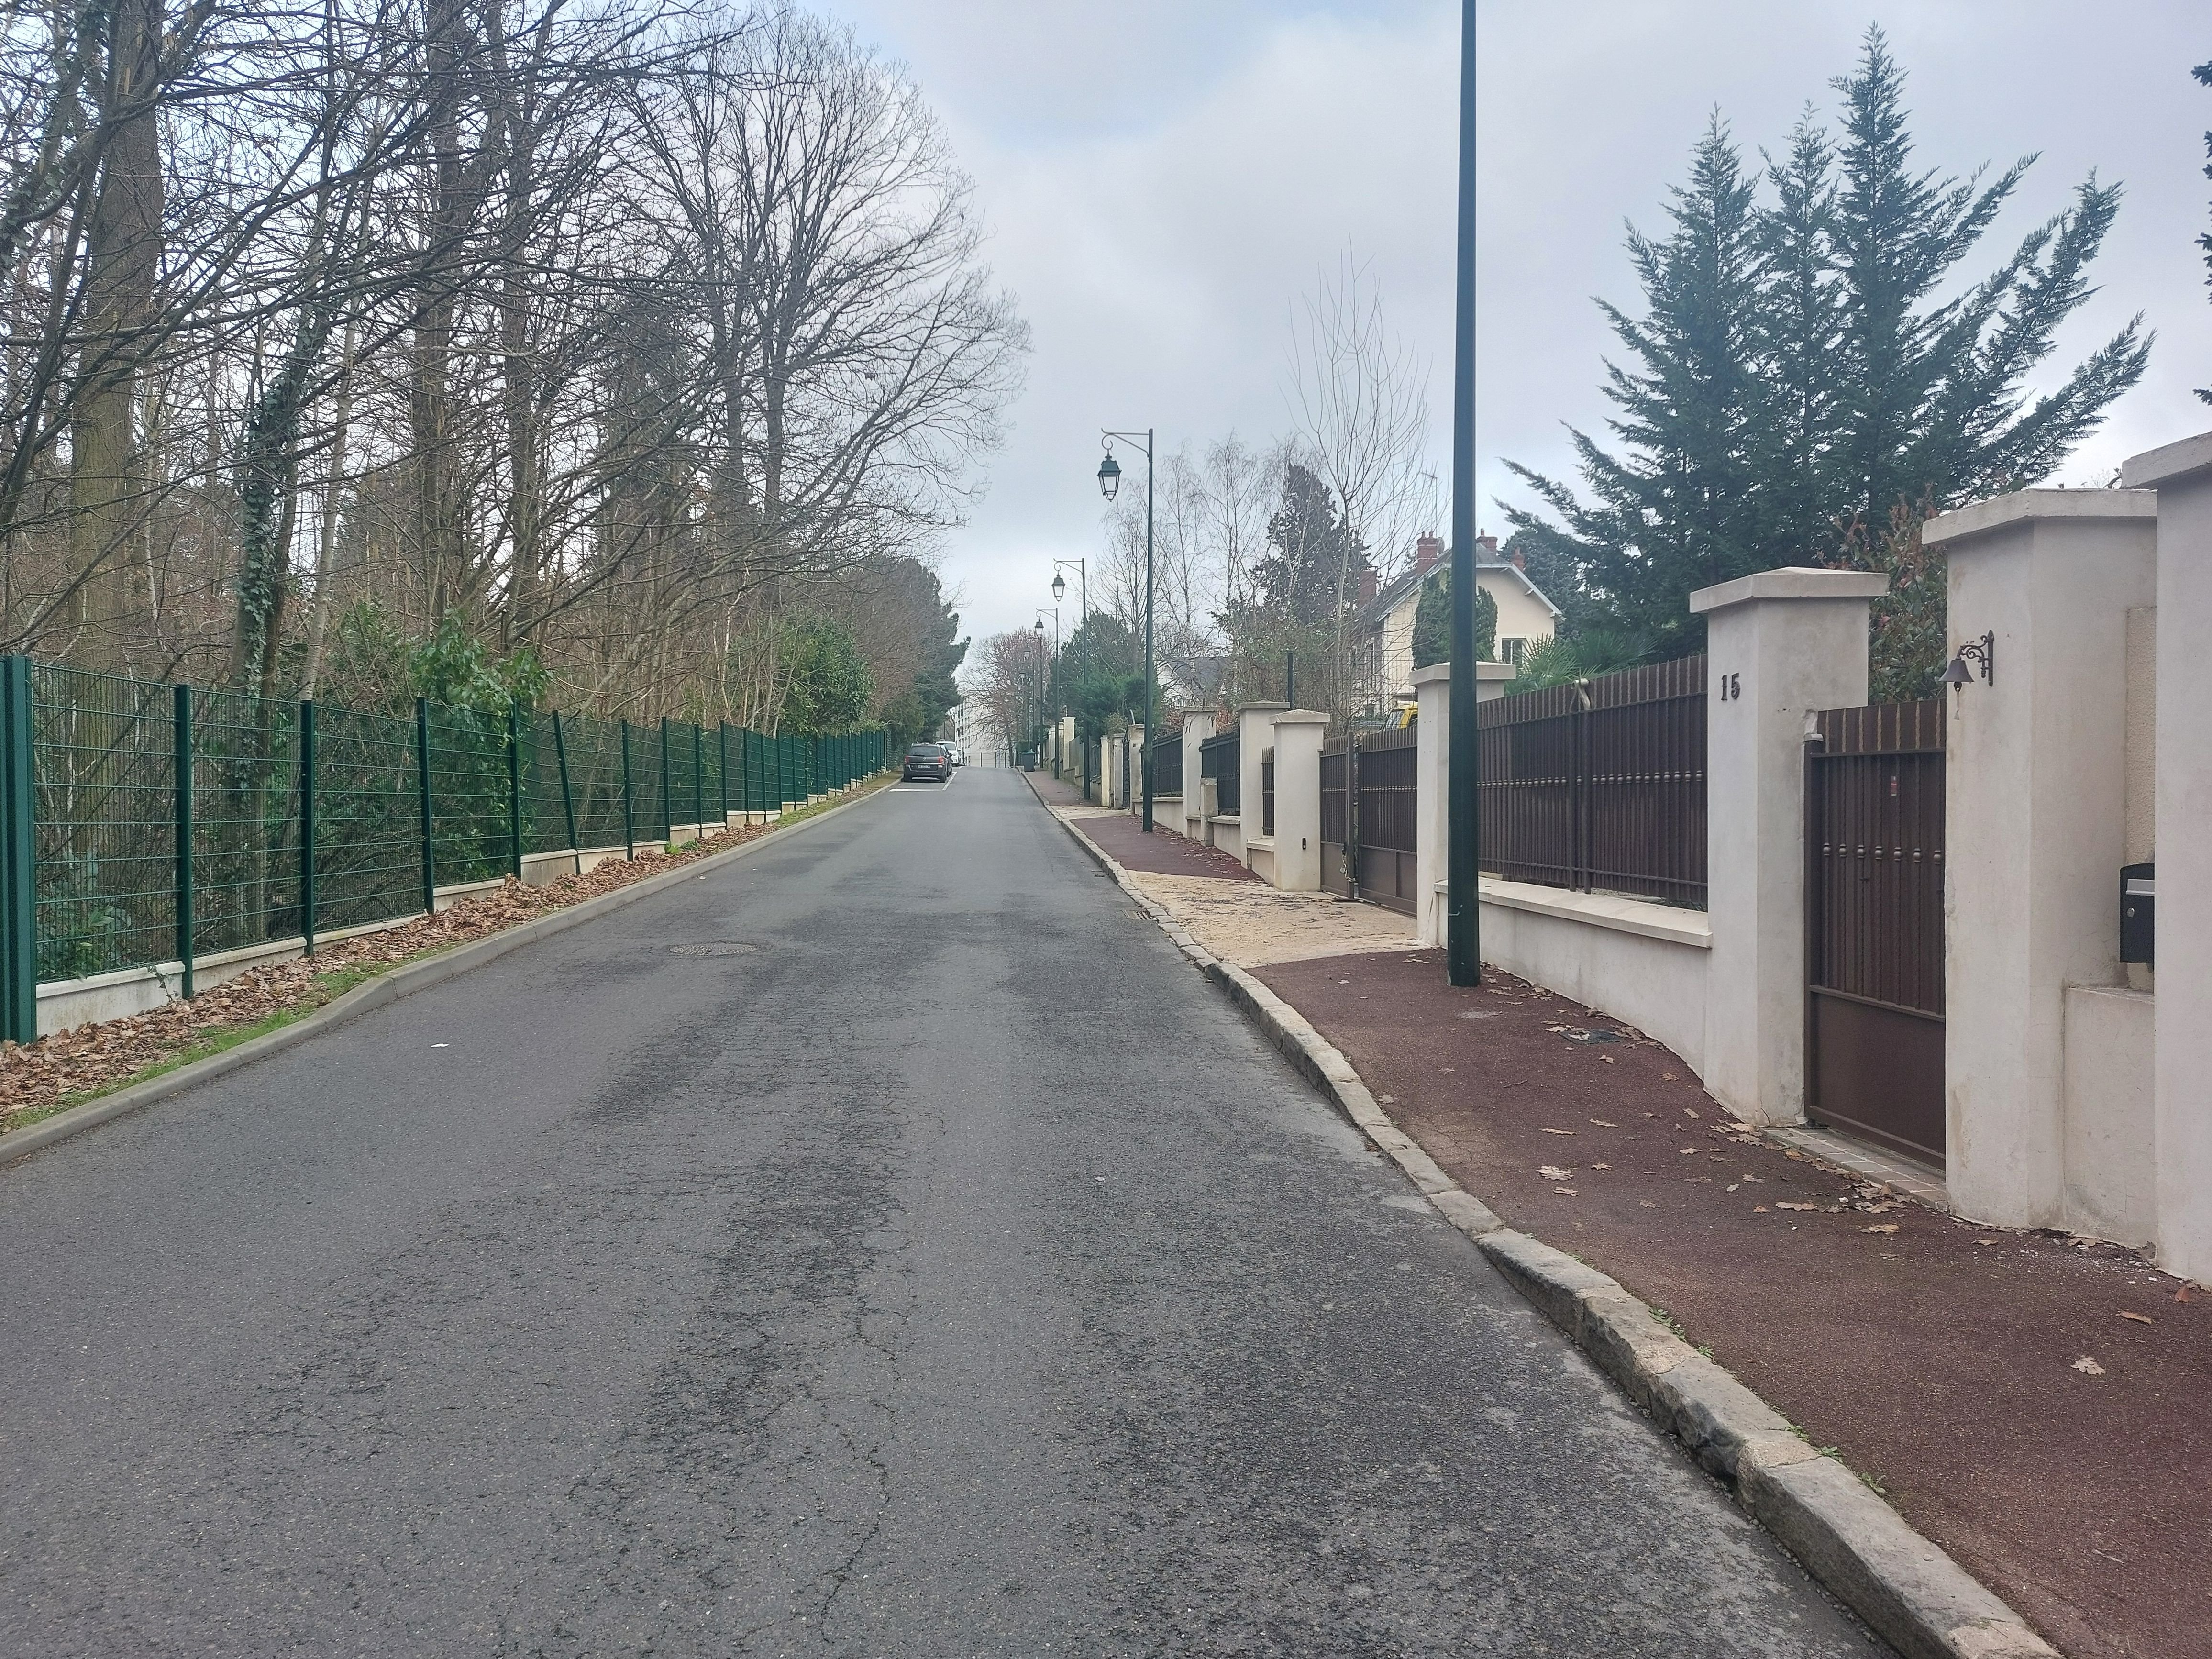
[1110, 481]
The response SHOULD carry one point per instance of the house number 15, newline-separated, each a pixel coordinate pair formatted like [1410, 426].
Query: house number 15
[1730, 686]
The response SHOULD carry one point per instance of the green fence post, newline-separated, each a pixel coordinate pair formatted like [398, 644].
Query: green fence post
[722, 766]
[307, 824]
[667, 806]
[698, 780]
[181, 776]
[423, 800]
[19, 857]
[513, 791]
[568, 799]
[629, 815]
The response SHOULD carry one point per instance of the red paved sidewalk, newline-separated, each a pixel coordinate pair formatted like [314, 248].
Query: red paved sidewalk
[1940, 1358]
[1053, 791]
[1163, 853]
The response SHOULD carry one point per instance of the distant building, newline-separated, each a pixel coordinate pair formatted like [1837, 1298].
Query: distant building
[1386, 618]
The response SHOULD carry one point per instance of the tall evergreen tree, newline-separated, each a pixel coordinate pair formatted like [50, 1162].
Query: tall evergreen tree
[1796, 376]
[1680, 508]
[1313, 556]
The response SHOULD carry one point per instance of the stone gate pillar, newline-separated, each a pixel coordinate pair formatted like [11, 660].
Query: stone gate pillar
[1779, 646]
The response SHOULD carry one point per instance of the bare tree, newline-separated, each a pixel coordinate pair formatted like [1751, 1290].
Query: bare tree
[1359, 400]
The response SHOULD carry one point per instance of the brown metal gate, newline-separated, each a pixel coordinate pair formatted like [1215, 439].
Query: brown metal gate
[1367, 817]
[1336, 815]
[1874, 925]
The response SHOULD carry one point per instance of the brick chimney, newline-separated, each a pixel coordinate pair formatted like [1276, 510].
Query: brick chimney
[1520, 560]
[1485, 549]
[1427, 549]
[1368, 580]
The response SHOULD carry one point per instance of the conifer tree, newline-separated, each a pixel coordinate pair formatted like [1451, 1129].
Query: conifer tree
[1798, 375]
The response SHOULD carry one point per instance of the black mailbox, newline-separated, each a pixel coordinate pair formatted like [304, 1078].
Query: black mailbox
[2138, 912]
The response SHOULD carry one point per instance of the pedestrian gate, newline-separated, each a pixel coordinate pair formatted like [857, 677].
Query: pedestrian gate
[1874, 925]
[1367, 817]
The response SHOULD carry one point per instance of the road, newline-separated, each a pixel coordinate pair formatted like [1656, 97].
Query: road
[939, 1268]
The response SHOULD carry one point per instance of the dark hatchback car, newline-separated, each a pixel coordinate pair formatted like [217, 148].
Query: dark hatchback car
[926, 760]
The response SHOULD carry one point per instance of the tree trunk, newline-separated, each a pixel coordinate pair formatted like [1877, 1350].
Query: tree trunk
[107, 496]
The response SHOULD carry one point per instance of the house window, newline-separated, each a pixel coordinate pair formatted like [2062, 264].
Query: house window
[1510, 649]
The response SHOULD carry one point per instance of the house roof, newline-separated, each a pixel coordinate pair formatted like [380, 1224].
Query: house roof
[1388, 598]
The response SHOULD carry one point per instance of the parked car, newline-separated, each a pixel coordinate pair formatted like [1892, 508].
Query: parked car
[959, 755]
[926, 760]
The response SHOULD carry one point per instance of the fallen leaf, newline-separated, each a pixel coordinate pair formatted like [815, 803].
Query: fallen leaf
[1986, 1240]
[1686, 1151]
[2186, 1293]
[1886, 1227]
[1733, 1185]
[1602, 1124]
[2140, 1319]
[1666, 1077]
[1691, 1111]
[1800, 1156]
[1553, 1172]
[1757, 1180]
[1787, 1204]
[1568, 1191]
[1558, 1132]
[1759, 1209]
[2088, 1367]
[1607, 1059]
[1601, 1166]
[1647, 1204]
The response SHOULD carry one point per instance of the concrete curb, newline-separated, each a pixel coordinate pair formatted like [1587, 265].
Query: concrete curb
[1906, 1589]
[386, 987]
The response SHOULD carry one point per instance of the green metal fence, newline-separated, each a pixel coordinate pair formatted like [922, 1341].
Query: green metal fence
[143, 823]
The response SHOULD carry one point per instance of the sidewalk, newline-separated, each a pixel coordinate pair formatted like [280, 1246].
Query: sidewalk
[1986, 1381]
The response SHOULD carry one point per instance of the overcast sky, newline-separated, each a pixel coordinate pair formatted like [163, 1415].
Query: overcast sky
[1164, 178]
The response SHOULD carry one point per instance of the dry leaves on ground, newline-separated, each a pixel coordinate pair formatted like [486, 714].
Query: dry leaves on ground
[39, 1076]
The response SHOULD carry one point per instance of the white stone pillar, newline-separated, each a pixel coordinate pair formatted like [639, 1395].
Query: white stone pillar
[2181, 1077]
[1493, 680]
[1431, 799]
[1297, 799]
[1197, 727]
[1256, 734]
[1135, 804]
[1779, 645]
[2035, 820]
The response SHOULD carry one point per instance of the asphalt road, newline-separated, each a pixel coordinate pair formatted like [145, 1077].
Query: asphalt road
[939, 1269]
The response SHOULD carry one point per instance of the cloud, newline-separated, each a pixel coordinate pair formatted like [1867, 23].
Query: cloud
[1163, 180]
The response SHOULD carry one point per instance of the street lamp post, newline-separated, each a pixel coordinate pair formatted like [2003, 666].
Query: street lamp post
[1045, 719]
[1110, 481]
[1083, 627]
[1038, 731]
[1464, 854]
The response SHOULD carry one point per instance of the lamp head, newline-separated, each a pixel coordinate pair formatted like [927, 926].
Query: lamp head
[1058, 587]
[1109, 475]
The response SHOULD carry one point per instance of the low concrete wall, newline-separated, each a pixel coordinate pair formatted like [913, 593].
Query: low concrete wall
[1260, 858]
[1644, 964]
[65, 1004]
[2112, 1175]
[1226, 831]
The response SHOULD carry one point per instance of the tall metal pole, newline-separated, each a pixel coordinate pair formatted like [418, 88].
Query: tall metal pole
[1463, 942]
[1148, 624]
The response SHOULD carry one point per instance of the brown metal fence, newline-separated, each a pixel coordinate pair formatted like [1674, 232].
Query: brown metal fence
[1166, 755]
[1220, 759]
[1600, 785]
